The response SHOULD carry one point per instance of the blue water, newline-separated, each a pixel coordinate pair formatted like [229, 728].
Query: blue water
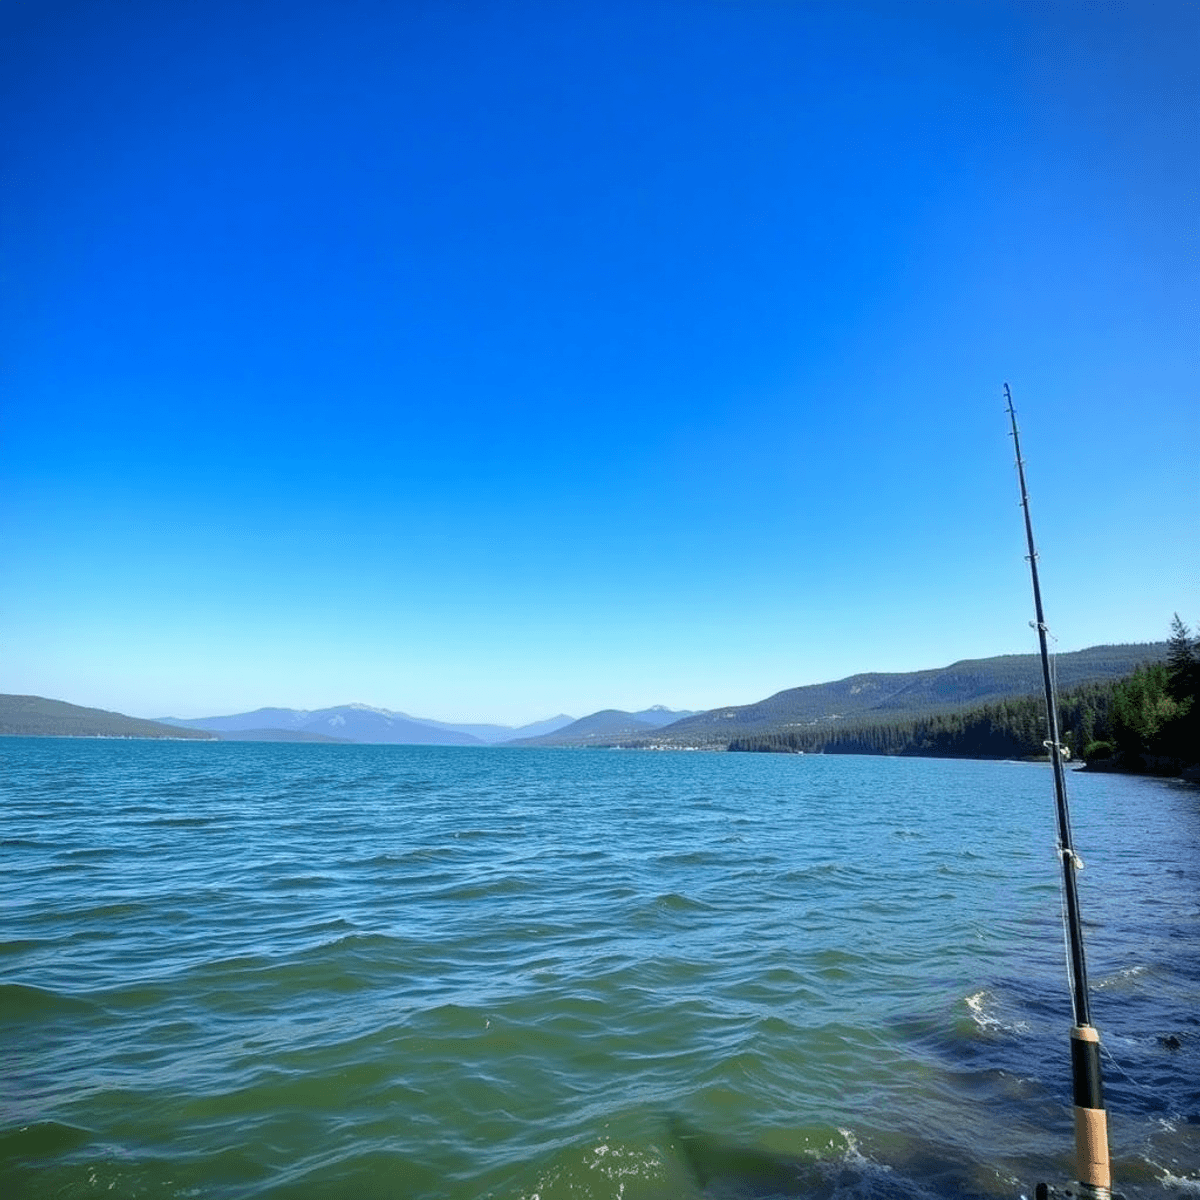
[240, 970]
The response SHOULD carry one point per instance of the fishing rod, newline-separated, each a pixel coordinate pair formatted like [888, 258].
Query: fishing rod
[1091, 1121]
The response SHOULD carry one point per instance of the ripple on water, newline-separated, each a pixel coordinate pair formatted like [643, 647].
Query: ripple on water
[283, 971]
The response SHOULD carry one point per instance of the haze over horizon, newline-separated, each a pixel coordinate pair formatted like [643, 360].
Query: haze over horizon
[483, 363]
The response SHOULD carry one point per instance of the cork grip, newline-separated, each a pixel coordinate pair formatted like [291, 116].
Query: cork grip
[1091, 1121]
[1091, 1147]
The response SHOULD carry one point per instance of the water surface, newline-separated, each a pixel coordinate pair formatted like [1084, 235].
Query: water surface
[259, 970]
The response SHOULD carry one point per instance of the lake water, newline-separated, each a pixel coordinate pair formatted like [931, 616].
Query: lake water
[258, 970]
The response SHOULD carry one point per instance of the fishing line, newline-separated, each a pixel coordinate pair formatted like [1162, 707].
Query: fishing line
[1091, 1121]
[1053, 662]
[1137, 1087]
[1066, 932]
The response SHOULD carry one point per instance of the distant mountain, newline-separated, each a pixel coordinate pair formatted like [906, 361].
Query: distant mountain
[278, 735]
[360, 723]
[262, 718]
[605, 726]
[495, 734]
[658, 715]
[893, 697]
[869, 698]
[347, 722]
[35, 716]
[539, 727]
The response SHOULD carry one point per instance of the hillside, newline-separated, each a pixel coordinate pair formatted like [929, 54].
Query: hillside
[871, 699]
[495, 735]
[601, 727]
[605, 727]
[35, 716]
[882, 698]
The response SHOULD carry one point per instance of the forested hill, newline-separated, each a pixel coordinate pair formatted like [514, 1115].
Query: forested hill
[35, 716]
[601, 728]
[887, 698]
[1147, 722]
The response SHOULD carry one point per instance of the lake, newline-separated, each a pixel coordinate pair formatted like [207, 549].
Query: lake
[295, 971]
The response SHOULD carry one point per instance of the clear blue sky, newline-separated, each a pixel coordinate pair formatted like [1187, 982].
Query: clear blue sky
[491, 360]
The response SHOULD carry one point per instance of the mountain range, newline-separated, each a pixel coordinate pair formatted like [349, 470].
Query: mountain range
[866, 698]
[881, 698]
[35, 716]
[362, 723]
[358, 723]
[607, 726]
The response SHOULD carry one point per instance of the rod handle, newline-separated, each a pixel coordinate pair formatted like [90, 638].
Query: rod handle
[1091, 1121]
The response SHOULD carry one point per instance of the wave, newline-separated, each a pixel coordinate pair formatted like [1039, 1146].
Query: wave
[300, 882]
[835, 1169]
[358, 1001]
[676, 902]
[20, 1001]
[41, 1139]
[183, 822]
[502, 885]
[608, 1168]
[688, 858]
[20, 945]
[984, 1010]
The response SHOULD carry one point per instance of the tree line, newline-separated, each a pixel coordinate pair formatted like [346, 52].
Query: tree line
[1147, 721]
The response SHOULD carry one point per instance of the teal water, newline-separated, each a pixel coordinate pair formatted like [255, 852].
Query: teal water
[259, 970]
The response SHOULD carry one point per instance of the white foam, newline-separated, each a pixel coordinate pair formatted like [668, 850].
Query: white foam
[619, 1164]
[980, 1004]
[1181, 1183]
[853, 1154]
[977, 1004]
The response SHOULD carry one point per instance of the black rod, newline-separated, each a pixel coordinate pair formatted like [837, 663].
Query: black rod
[1091, 1123]
[1079, 987]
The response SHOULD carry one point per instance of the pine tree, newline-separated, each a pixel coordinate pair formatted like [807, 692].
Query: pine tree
[1183, 660]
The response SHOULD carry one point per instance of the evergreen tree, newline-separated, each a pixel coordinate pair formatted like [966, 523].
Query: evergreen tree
[1149, 720]
[1183, 660]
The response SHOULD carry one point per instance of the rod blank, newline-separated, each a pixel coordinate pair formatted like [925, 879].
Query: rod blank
[1091, 1121]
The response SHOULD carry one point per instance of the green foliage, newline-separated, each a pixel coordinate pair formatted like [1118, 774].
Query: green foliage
[1141, 706]
[1183, 661]
[1149, 720]
[1013, 728]
[879, 699]
[1094, 751]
